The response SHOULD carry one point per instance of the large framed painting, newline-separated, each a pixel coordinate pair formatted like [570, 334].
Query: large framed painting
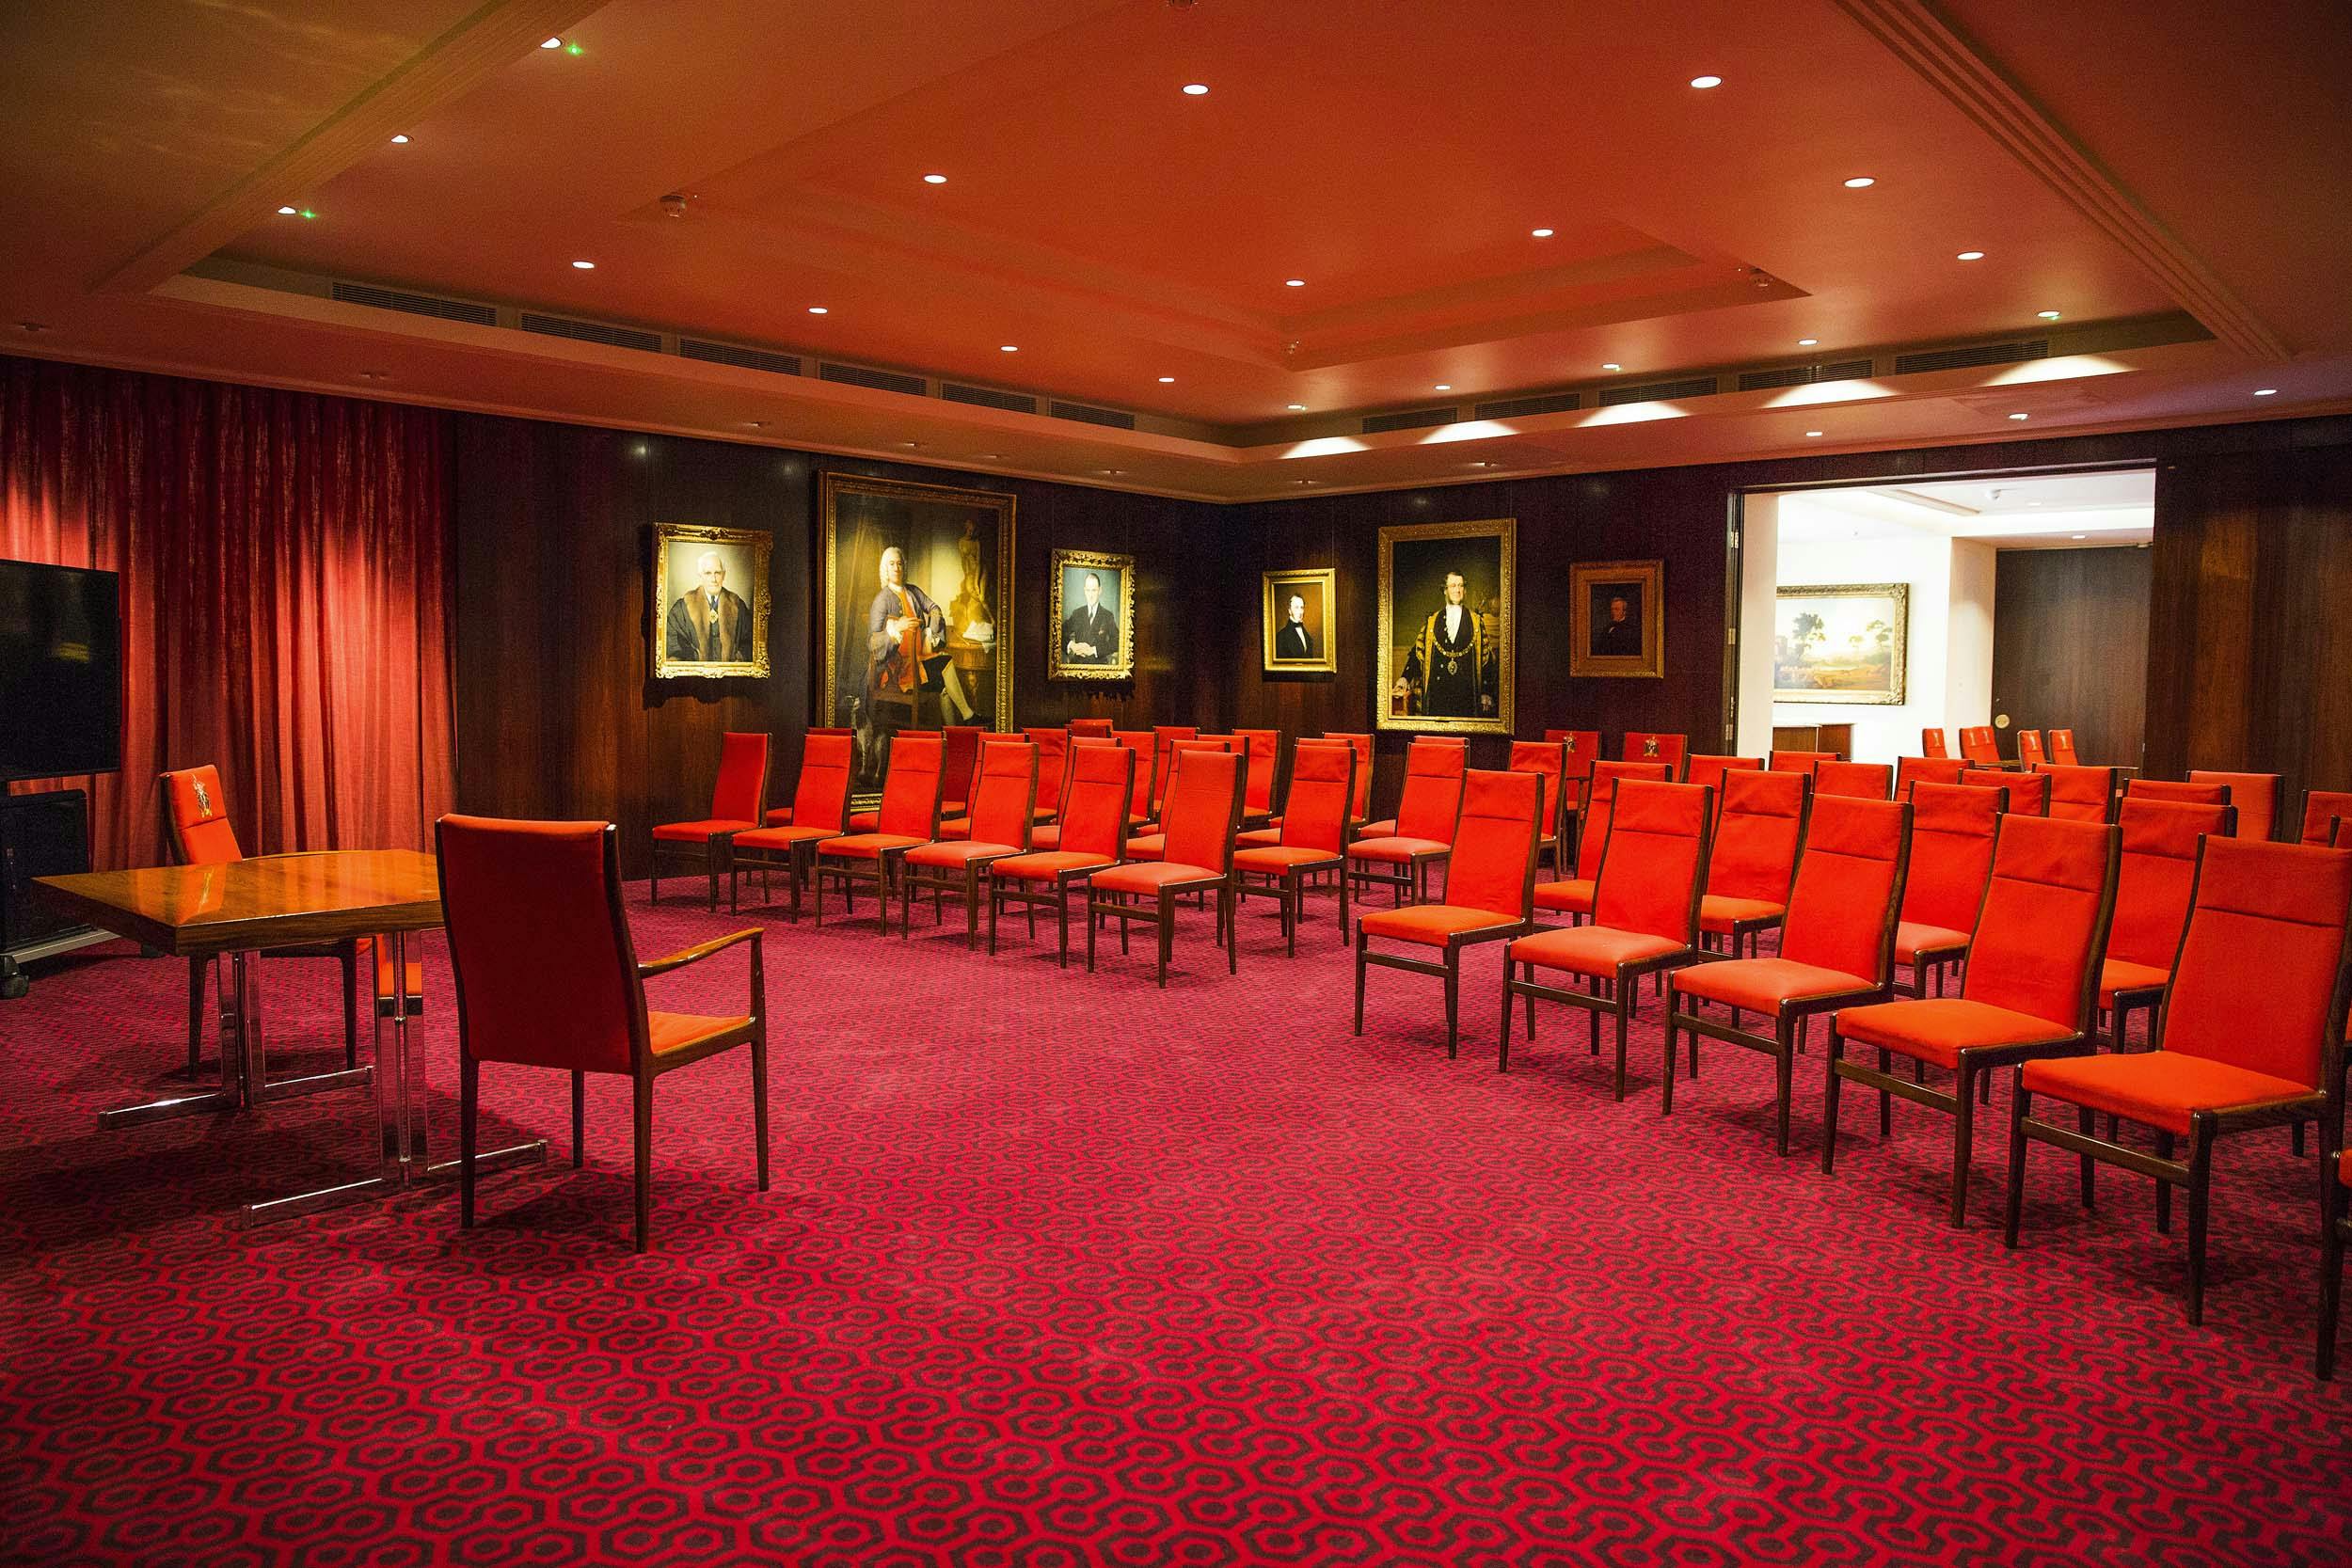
[709, 601]
[918, 623]
[1092, 609]
[1841, 644]
[1617, 618]
[1448, 618]
[1301, 620]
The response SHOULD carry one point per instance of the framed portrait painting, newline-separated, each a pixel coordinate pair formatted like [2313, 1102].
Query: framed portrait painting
[1617, 618]
[1840, 642]
[918, 625]
[1300, 618]
[1091, 608]
[709, 601]
[1448, 620]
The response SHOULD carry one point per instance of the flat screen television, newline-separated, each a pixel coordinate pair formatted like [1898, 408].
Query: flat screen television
[60, 670]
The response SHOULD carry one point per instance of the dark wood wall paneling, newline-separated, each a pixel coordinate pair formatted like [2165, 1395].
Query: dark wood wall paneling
[2067, 629]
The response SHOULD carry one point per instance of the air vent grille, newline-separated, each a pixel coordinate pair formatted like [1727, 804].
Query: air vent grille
[1011, 403]
[1087, 414]
[1411, 418]
[592, 332]
[746, 358]
[1659, 391]
[416, 305]
[1519, 408]
[1981, 354]
[880, 381]
[1802, 375]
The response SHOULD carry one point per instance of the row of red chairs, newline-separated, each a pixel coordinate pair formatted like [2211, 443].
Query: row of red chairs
[1980, 744]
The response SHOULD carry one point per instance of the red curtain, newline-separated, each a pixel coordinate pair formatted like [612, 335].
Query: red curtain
[284, 563]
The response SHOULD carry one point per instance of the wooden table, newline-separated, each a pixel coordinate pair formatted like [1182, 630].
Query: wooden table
[241, 907]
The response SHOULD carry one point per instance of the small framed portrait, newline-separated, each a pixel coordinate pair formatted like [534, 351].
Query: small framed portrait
[1840, 642]
[709, 601]
[1448, 621]
[1092, 610]
[1617, 618]
[1301, 622]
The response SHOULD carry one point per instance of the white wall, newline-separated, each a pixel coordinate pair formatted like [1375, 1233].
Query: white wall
[1759, 569]
[1968, 652]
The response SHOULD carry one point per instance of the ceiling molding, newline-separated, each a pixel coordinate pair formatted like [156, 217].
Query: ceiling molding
[1915, 34]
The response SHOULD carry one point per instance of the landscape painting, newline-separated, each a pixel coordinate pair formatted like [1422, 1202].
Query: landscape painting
[1841, 643]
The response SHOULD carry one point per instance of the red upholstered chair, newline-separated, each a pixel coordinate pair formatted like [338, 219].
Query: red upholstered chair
[2200, 794]
[1645, 915]
[2031, 987]
[2030, 752]
[1361, 811]
[1709, 770]
[1004, 796]
[1152, 844]
[2255, 795]
[1093, 836]
[1386, 827]
[1864, 781]
[1262, 751]
[1932, 744]
[959, 755]
[1980, 744]
[1798, 762]
[2080, 793]
[781, 817]
[2321, 807]
[2251, 1035]
[827, 729]
[2024, 794]
[1166, 733]
[196, 827]
[2062, 749]
[1203, 811]
[1647, 746]
[1952, 830]
[1422, 833]
[909, 816]
[1836, 948]
[1912, 771]
[1759, 830]
[1312, 837]
[819, 811]
[1047, 835]
[1270, 832]
[2155, 882]
[1548, 761]
[1092, 729]
[1151, 771]
[1053, 766]
[865, 821]
[1573, 896]
[735, 803]
[1488, 892]
[545, 975]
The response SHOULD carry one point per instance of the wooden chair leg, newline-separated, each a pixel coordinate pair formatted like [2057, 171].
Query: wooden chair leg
[579, 1119]
[1166, 932]
[1832, 1085]
[652, 860]
[2330, 1279]
[2199, 1190]
[2164, 1189]
[759, 1097]
[1784, 1080]
[1359, 982]
[1226, 898]
[1666, 1080]
[1502, 1043]
[1627, 990]
[469, 1100]
[2086, 1177]
[645, 1163]
[2013, 1201]
[1452, 1001]
[1963, 1139]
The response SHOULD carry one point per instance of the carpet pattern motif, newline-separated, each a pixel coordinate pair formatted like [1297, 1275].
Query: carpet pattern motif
[1060, 1269]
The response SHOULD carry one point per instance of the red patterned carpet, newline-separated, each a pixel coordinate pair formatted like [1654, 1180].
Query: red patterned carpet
[1064, 1270]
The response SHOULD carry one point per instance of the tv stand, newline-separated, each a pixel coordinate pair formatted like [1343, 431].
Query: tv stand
[41, 835]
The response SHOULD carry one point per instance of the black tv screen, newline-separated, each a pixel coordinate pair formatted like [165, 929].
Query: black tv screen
[60, 670]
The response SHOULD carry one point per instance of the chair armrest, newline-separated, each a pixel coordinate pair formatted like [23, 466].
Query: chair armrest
[696, 954]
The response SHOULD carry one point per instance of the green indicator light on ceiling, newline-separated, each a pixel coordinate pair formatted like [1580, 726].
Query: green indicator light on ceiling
[574, 49]
[307, 214]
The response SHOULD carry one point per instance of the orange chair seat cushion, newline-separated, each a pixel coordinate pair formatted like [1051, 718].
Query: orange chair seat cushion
[1764, 985]
[1432, 924]
[949, 856]
[668, 1032]
[2156, 1088]
[1592, 949]
[1914, 936]
[695, 833]
[1937, 1028]
[2122, 975]
[1719, 912]
[1151, 876]
[777, 817]
[1385, 827]
[1392, 851]
[1044, 866]
[1147, 846]
[1575, 895]
[1258, 837]
[865, 822]
[955, 828]
[1280, 857]
[867, 846]
[780, 838]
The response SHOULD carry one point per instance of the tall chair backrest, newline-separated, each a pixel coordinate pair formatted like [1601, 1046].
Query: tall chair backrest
[2255, 795]
[1980, 744]
[1262, 751]
[1583, 750]
[820, 796]
[1917, 771]
[1549, 761]
[2030, 750]
[1932, 744]
[2260, 979]
[741, 792]
[196, 818]
[1166, 733]
[1593, 832]
[1493, 865]
[1204, 808]
[1759, 829]
[2044, 920]
[545, 972]
[2080, 793]
[2178, 789]
[1146, 745]
[1867, 781]
[1322, 794]
[1849, 886]
[1952, 830]
[1650, 746]
[1360, 809]
[1094, 808]
[2157, 876]
[2026, 794]
[1004, 793]
[960, 755]
[1171, 752]
[1432, 798]
[2321, 807]
[910, 798]
[1709, 770]
[2062, 749]
[1798, 762]
[1053, 766]
[1093, 729]
[1649, 872]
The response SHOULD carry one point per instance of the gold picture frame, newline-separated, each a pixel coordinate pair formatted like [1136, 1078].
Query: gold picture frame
[1313, 650]
[684, 634]
[1871, 619]
[1423, 686]
[1602, 644]
[1090, 638]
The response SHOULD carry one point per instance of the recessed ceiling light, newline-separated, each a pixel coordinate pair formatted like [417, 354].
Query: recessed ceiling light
[1293, 282]
[1297, 408]
[1811, 433]
[1114, 472]
[585, 266]
[1196, 89]
[400, 141]
[1445, 386]
[1703, 83]
[1167, 380]
[2266, 392]
[1970, 256]
[934, 179]
[1860, 182]
[286, 212]
[2078, 537]
[1613, 365]
[757, 424]
[1007, 348]
[991, 456]
[819, 309]
[2021, 416]
[552, 44]
[1807, 342]
[910, 445]
[1303, 482]
[1541, 233]
[2049, 315]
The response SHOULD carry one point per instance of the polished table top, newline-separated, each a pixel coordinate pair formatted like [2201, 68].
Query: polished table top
[266, 901]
